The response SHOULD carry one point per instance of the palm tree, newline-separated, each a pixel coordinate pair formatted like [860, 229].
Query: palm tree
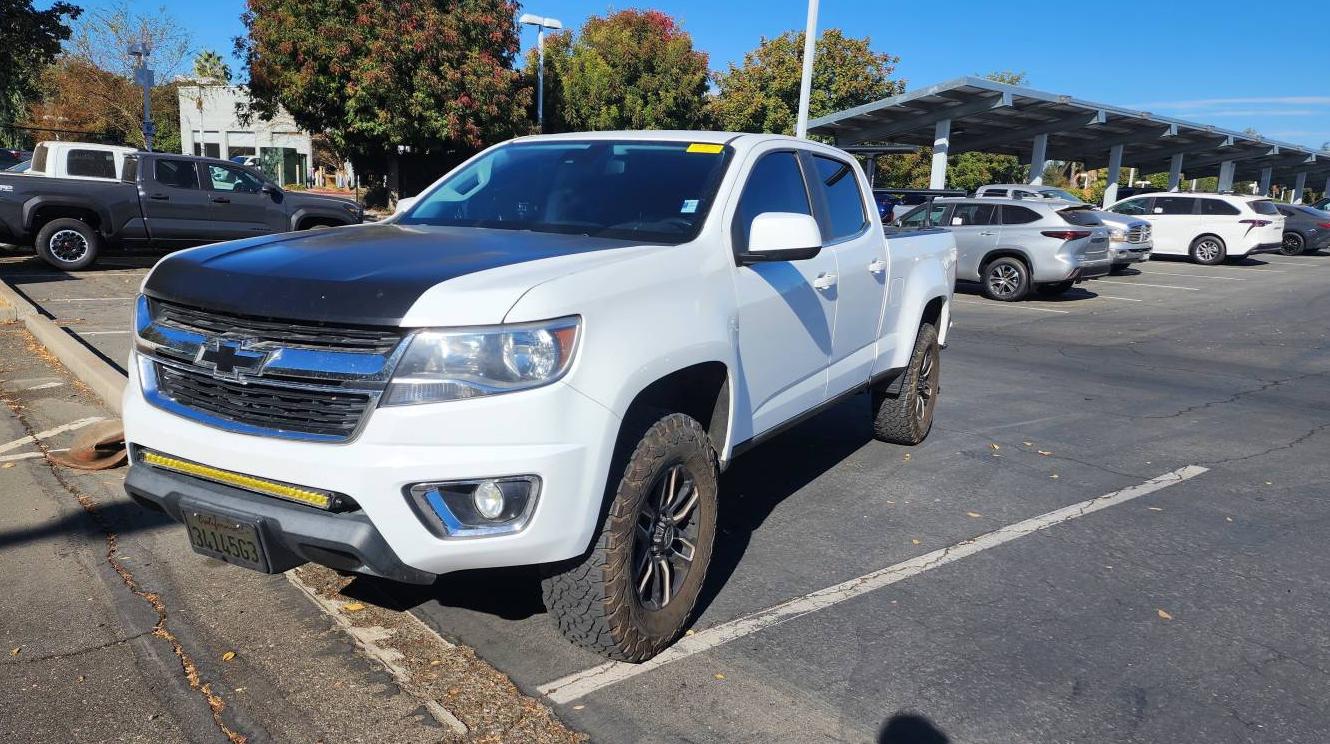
[210, 67]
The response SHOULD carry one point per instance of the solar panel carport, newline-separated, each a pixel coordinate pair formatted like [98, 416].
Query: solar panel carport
[973, 114]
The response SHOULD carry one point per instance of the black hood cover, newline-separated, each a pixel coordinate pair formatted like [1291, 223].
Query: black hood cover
[368, 275]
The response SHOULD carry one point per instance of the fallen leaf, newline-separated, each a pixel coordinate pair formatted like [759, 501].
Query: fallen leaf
[14, 651]
[241, 689]
[1028, 444]
[7, 465]
[1268, 483]
[229, 655]
[1153, 508]
[1228, 519]
[578, 707]
[353, 606]
[690, 632]
[1055, 475]
[1045, 453]
[719, 676]
[1164, 615]
[975, 515]
[995, 446]
[82, 678]
[914, 541]
[907, 457]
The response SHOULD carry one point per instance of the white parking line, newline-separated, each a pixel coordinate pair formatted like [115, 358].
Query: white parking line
[1010, 306]
[1111, 297]
[579, 684]
[34, 438]
[1143, 284]
[1196, 276]
[28, 455]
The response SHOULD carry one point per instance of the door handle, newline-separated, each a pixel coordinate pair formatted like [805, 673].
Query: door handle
[159, 197]
[221, 200]
[824, 281]
[877, 267]
[988, 232]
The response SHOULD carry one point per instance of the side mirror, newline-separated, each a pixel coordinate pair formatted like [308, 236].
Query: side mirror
[268, 189]
[404, 204]
[782, 236]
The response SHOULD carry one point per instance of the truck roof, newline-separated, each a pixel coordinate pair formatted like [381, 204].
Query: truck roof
[670, 135]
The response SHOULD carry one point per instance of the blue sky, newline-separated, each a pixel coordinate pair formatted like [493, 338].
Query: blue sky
[1220, 62]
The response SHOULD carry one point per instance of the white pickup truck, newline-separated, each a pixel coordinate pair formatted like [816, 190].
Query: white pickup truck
[546, 360]
[79, 160]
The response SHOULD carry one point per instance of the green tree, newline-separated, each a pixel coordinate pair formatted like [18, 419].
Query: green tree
[378, 74]
[633, 69]
[30, 39]
[762, 94]
[209, 65]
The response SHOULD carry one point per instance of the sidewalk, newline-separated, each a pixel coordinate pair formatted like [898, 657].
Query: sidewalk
[114, 630]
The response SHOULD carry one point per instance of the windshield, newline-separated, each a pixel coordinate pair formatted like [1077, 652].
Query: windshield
[657, 192]
[1061, 194]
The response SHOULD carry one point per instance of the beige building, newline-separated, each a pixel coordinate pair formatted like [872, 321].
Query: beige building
[209, 126]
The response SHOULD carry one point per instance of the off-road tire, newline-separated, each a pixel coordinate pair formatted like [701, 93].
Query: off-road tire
[996, 275]
[68, 244]
[594, 599]
[1054, 289]
[1208, 250]
[899, 419]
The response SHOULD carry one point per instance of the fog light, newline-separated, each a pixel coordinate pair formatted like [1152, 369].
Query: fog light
[488, 499]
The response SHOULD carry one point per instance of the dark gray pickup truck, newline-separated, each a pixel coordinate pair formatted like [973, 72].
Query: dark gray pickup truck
[161, 200]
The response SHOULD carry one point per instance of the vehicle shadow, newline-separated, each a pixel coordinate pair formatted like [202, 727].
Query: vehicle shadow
[1076, 293]
[122, 517]
[910, 728]
[750, 490]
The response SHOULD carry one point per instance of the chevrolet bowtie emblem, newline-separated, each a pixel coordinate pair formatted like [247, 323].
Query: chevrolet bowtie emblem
[231, 358]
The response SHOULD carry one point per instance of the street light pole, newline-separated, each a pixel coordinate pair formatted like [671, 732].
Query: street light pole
[140, 51]
[806, 80]
[541, 23]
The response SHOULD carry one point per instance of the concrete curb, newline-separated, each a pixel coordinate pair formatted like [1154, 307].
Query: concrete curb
[105, 380]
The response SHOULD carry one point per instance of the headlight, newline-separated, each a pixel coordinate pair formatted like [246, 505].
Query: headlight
[473, 362]
[1117, 235]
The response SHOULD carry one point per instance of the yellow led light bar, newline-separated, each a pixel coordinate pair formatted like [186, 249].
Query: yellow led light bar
[306, 496]
[707, 147]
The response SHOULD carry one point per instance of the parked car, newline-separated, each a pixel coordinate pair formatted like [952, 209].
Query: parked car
[1130, 239]
[1305, 229]
[1208, 227]
[10, 157]
[79, 160]
[1323, 204]
[249, 161]
[894, 203]
[161, 200]
[1012, 247]
[507, 373]
[22, 167]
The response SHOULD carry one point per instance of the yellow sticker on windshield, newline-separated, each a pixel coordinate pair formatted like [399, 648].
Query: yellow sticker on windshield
[705, 147]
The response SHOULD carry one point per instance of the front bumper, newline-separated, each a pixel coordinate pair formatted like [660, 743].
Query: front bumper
[1128, 253]
[554, 432]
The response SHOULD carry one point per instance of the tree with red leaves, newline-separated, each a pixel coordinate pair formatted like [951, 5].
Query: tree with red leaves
[377, 74]
[633, 69]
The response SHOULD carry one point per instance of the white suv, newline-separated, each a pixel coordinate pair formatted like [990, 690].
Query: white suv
[1207, 227]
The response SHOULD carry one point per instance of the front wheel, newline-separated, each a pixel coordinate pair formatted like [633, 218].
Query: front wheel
[632, 594]
[1208, 250]
[68, 244]
[908, 417]
[1006, 279]
[1293, 244]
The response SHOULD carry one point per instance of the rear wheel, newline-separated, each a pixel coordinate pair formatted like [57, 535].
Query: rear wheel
[1054, 289]
[633, 593]
[68, 244]
[1005, 279]
[1293, 244]
[1208, 250]
[908, 417]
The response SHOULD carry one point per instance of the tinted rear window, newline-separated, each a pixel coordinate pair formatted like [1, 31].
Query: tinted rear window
[845, 203]
[974, 214]
[1012, 215]
[1174, 205]
[1082, 217]
[39, 159]
[178, 173]
[94, 163]
[1263, 206]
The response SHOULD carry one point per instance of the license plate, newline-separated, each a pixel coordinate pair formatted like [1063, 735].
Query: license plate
[232, 540]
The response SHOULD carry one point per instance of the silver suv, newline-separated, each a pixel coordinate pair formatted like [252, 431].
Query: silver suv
[1013, 246]
[1130, 238]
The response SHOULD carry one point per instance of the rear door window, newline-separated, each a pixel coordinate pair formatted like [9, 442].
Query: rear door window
[1132, 206]
[973, 214]
[1013, 215]
[1217, 207]
[845, 202]
[180, 174]
[1175, 205]
[92, 163]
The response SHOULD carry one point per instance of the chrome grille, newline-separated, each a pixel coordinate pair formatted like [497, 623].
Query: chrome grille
[1139, 234]
[283, 332]
[263, 376]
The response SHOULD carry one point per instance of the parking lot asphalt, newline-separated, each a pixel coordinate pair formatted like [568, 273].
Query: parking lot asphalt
[977, 588]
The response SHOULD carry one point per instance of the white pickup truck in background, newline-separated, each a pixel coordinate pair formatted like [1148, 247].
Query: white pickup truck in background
[83, 160]
[546, 359]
